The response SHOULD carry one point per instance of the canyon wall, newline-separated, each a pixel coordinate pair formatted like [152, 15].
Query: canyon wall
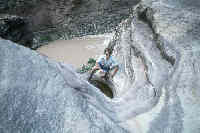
[64, 19]
[157, 86]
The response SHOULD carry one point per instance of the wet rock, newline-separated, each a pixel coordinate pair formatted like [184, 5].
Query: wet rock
[103, 86]
[107, 86]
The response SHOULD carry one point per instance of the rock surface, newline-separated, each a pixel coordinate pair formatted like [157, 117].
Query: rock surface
[157, 85]
[159, 50]
[38, 95]
[16, 29]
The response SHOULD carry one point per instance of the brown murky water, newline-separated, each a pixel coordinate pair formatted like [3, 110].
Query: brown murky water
[75, 52]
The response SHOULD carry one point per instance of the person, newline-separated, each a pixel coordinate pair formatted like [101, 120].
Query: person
[106, 65]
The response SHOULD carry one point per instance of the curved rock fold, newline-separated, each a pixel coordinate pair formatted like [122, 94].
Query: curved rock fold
[157, 85]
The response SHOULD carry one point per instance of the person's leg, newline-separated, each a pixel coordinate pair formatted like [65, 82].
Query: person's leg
[115, 70]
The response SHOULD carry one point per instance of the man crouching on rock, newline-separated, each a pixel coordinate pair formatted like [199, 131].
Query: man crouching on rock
[106, 65]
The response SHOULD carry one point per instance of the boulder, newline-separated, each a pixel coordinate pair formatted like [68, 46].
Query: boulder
[39, 95]
[158, 49]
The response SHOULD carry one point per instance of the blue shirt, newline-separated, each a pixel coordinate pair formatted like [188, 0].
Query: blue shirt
[106, 64]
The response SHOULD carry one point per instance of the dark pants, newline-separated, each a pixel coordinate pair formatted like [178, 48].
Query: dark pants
[106, 69]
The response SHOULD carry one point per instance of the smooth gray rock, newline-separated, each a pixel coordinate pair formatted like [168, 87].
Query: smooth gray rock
[157, 86]
[158, 49]
[38, 95]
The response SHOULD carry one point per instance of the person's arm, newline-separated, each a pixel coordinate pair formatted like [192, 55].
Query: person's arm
[116, 68]
[95, 68]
